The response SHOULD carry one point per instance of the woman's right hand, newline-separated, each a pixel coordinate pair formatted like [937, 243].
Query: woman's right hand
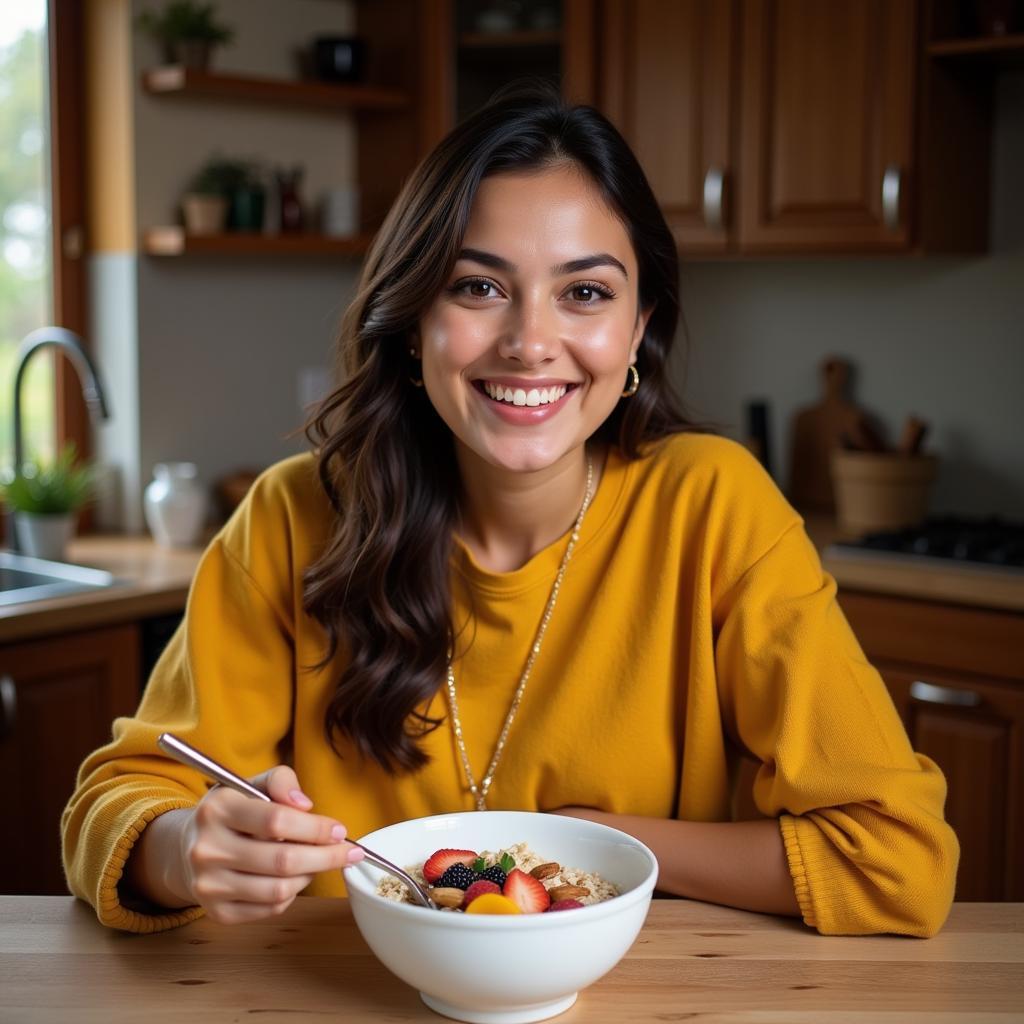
[239, 858]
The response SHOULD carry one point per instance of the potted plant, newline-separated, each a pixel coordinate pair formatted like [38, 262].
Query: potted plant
[45, 499]
[205, 203]
[187, 31]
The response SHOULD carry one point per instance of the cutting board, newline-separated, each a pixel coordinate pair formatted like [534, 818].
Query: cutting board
[835, 422]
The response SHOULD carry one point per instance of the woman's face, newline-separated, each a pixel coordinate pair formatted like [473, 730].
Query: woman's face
[526, 349]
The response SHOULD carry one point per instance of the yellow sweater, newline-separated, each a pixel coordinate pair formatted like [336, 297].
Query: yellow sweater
[694, 622]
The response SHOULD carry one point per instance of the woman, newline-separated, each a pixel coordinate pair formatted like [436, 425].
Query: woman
[513, 576]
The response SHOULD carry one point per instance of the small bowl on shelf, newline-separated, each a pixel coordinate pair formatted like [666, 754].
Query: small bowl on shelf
[498, 969]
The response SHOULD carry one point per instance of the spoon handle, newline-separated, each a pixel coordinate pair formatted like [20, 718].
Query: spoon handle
[188, 755]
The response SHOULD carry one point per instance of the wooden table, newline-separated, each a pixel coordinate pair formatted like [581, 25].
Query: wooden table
[692, 961]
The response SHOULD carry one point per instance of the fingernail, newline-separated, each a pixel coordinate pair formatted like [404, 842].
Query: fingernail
[300, 799]
[338, 833]
[355, 855]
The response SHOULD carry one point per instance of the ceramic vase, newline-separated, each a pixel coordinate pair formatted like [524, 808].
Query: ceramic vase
[44, 536]
[175, 504]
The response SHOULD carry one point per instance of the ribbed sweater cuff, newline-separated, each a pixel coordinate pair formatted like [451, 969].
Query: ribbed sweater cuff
[109, 906]
[798, 869]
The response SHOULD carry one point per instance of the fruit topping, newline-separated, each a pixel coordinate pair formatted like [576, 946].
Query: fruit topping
[565, 905]
[529, 895]
[496, 873]
[438, 863]
[478, 888]
[458, 876]
[451, 898]
[493, 903]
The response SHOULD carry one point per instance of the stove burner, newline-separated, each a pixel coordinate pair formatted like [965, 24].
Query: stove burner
[992, 541]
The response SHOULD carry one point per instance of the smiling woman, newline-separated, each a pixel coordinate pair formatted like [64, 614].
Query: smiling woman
[513, 575]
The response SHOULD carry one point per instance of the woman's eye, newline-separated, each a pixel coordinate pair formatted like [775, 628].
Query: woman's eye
[475, 288]
[589, 294]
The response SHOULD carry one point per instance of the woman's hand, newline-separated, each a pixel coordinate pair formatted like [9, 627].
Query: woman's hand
[239, 858]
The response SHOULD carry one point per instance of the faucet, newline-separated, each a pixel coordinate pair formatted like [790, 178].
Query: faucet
[72, 346]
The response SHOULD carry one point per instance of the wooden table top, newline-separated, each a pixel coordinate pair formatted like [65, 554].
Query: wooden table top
[691, 961]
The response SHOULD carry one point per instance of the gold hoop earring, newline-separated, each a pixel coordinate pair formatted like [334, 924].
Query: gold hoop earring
[416, 382]
[634, 382]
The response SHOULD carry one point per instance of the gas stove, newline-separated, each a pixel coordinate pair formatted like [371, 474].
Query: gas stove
[992, 543]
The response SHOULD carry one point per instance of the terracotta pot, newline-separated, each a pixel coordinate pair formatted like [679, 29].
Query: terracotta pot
[204, 215]
[880, 490]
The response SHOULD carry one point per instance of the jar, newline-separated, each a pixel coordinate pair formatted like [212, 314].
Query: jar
[175, 504]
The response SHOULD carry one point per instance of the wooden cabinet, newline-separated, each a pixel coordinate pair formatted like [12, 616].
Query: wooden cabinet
[58, 697]
[668, 83]
[794, 126]
[956, 675]
[827, 122]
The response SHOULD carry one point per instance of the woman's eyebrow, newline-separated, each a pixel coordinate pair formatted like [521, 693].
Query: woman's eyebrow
[598, 259]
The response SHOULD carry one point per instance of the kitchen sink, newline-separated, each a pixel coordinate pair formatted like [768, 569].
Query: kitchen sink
[33, 579]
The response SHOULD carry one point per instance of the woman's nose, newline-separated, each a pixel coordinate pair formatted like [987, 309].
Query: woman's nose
[532, 336]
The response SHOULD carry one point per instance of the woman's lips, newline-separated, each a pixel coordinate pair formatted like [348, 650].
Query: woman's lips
[523, 413]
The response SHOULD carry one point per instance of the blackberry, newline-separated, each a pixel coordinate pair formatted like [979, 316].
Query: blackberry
[458, 876]
[494, 874]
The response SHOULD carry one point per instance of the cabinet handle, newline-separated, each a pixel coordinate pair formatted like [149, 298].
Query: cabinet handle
[8, 706]
[932, 694]
[714, 198]
[891, 181]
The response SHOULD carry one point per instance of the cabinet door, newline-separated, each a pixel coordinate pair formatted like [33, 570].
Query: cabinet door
[667, 84]
[974, 731]
[60, 695]
[827, 123]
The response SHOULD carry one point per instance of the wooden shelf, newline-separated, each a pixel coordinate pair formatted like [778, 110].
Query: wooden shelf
[175, 80]
[993, 49]
[173, 241]
[501, 40]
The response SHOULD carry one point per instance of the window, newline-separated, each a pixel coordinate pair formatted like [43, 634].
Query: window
[26, 284]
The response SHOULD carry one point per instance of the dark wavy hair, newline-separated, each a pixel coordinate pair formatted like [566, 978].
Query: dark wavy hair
[386, 459]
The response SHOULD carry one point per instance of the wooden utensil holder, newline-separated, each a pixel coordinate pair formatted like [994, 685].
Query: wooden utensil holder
[880, 490]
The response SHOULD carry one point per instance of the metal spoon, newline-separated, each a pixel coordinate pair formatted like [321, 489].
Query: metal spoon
[187, 754]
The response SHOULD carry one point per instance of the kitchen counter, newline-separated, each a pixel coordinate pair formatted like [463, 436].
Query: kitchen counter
[155, 581]
[690, 960]
[945, 580]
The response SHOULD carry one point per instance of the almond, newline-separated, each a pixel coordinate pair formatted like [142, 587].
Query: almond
[448, 897]
[567, 892]
[549, 870]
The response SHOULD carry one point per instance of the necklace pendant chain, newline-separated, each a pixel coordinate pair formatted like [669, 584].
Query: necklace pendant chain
[479, 792]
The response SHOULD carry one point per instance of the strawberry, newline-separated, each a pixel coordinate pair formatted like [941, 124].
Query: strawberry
[440, 861]
[478, 889]
[527, 892]
[565, 905]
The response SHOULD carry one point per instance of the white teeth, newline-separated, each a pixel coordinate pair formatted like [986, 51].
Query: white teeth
[522, 397]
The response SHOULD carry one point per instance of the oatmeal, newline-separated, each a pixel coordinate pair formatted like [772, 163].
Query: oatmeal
[513, 880]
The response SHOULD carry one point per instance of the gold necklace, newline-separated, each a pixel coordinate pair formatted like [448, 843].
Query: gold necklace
[480, 792]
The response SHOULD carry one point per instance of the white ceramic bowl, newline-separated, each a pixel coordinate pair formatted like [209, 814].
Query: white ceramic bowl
[496, 969]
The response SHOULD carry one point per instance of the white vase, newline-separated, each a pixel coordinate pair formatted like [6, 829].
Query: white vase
[175, 504]
[44, 536]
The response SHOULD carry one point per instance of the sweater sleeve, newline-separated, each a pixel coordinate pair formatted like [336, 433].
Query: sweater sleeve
[861, 815]
[224, 683]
